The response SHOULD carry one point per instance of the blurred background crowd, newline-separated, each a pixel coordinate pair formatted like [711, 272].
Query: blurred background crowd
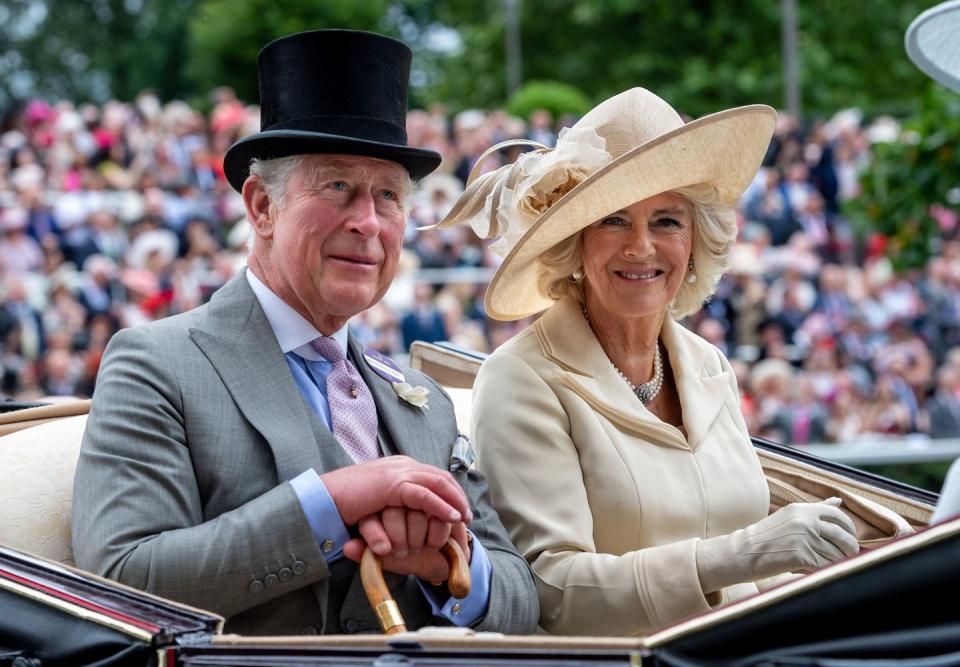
[117, 214]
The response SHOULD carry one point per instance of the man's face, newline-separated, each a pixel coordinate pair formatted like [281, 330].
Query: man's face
[337, 235]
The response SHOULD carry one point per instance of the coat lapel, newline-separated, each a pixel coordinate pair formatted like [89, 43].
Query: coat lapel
[241, 346]
[412, 431]
[566, 338]
[702, 384]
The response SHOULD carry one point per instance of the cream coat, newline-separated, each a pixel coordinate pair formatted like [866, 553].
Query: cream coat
[605, 500]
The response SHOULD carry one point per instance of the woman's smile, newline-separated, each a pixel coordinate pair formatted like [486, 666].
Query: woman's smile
[639, 275]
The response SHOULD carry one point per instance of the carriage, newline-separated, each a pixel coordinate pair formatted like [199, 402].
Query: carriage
[886, 604]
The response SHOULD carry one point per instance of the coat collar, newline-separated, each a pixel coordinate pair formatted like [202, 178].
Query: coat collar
[237, 339]
[702, 384]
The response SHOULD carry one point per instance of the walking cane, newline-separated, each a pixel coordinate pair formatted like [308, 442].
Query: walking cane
[371, 575]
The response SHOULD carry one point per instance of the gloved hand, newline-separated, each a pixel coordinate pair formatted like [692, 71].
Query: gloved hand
[798, 537]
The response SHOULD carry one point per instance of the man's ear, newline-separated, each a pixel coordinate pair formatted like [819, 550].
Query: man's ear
[258, 205]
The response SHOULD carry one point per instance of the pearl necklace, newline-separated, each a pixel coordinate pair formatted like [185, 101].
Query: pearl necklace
[647, 391]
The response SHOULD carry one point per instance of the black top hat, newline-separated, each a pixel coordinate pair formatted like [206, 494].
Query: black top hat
[331, 91]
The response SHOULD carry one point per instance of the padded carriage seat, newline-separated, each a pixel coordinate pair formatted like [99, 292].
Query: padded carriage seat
[461, 406]
[454, 369]
[38, 456]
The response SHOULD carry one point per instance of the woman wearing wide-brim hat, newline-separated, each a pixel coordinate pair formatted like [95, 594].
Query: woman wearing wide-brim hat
[612, 436]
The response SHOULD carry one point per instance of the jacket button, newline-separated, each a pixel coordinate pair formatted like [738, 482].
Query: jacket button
[327, 546]
[298, 567]
[308, 630]
[256, 586]
[271, 580]
[285, 574]
[354, 625]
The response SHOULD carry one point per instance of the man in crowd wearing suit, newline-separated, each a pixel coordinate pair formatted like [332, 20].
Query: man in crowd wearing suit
[240, 456]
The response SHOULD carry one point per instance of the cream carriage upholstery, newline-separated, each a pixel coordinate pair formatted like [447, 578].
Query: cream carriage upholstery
[455, 371]
[38, 455]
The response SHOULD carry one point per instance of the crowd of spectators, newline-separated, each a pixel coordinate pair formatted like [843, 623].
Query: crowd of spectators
[116, 215]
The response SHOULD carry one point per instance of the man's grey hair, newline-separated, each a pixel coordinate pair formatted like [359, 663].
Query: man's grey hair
[275, 174]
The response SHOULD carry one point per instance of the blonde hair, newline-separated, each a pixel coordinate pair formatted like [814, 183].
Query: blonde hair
[715, 230]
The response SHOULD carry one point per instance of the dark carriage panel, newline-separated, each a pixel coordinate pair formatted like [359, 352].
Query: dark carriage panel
[59, 639]
[61, 616]
[410, 656]
[898, 607]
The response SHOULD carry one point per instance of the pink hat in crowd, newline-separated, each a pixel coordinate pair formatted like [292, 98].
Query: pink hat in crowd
[37, 112]
[141, 281]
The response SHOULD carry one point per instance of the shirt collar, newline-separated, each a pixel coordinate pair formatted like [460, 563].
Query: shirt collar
[292, 329]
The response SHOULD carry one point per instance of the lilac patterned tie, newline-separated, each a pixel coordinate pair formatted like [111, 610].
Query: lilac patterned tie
[352, 410]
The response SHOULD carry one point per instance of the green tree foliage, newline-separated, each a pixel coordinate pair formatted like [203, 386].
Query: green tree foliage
[853, 55]
[929, 476]
[226, 35]
[910, 180]
[699, 55]
[556, 97]
[94, 49]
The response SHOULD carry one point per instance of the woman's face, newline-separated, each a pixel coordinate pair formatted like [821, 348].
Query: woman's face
[635, 260]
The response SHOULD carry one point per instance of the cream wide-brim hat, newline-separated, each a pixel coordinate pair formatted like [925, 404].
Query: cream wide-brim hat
[933, 43]
[628, 148]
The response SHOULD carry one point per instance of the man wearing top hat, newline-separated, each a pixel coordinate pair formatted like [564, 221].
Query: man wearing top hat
[238, 457]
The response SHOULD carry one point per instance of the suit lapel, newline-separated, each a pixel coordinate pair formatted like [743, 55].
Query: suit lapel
[241, 346]
[566, 338]
[409, 430]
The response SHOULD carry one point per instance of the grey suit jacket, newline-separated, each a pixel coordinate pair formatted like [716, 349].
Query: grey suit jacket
[182, 485]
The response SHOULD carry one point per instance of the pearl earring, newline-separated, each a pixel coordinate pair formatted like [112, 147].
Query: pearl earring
[577, 276]
[691, 276]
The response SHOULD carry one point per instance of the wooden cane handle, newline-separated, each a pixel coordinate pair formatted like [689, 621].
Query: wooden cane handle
[458, 581]
[383, 604]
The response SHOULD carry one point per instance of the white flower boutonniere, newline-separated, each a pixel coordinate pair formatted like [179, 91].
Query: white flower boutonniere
[413, 395]
[383, 366]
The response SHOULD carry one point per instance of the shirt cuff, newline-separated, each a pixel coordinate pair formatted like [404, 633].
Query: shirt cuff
[321, 513]
[473, 608]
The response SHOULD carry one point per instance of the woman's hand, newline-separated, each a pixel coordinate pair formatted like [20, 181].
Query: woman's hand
[799, 537]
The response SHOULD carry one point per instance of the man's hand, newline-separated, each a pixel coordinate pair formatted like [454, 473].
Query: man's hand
[396, 481]
[409, 542]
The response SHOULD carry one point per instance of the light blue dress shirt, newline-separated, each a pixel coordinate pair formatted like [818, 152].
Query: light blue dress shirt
[310, 370]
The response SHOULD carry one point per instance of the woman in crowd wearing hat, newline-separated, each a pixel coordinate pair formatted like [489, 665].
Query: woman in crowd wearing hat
[612, 436]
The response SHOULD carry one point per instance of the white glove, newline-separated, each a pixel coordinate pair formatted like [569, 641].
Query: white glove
[798, 537]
